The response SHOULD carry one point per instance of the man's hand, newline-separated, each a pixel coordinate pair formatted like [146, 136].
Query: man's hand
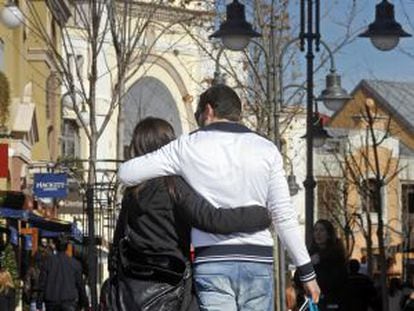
[312, 290]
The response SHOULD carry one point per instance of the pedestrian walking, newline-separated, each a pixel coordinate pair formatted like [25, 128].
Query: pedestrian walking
[230, 165]
[7, 291]
[60, 280]
[360, 292]
[31, 283]
[395, 294]
[152, 235]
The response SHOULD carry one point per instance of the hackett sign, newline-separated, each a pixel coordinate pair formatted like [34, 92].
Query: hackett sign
[50, 185]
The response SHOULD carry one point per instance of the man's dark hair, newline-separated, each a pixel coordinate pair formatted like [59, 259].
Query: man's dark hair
[225, 102]
[62, 243]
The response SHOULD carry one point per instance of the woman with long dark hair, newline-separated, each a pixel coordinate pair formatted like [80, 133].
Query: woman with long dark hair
[153, 232]
[328, 257]
[329, 261]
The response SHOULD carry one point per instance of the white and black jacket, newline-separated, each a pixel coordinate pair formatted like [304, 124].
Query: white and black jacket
[229, 165]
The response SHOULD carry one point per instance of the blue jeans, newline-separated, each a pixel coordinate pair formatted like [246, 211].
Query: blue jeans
[234, 286]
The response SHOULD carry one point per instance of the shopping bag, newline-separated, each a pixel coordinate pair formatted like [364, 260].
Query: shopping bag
[312, 305]
[309, 305]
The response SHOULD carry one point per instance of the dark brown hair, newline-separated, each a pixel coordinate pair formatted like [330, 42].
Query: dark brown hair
[149, 135]
[225, 102]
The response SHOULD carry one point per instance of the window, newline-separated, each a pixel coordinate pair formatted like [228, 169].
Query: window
[75, 63]
[368, 195]
[408, 199]
[70, 139]
[329, 198]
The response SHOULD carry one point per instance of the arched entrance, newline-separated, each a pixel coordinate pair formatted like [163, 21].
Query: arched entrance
[148, 97]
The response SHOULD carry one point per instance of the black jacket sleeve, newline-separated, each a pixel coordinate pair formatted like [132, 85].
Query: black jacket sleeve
[204, 216]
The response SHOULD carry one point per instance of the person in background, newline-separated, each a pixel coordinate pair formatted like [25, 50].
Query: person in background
[7, 291]
[409, 303]
[31, 286]
[60, 281]
[290, 296]
[329, 260]
[395, 295]
[360, 292]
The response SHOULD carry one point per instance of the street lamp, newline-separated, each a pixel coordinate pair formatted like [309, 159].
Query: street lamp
[72, 101]
[385, 32]
[10, 15]
[333, 96]
[235, 32]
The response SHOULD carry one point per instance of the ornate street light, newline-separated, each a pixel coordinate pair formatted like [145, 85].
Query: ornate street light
[11, 16]
[293, 185]
[334, 96]
[70, 100]
[385, 32]
[235, 32]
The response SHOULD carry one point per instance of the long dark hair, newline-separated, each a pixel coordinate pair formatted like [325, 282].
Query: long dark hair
[149, 135]
[334, 246]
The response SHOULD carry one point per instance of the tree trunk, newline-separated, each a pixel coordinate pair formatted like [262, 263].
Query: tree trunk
[92, 254]
[369, 246]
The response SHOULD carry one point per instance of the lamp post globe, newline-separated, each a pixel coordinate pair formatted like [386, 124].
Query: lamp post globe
[235, 32]
[334, 96]
[11, 16]
[385, 32]
[70, 100]
[84, 114]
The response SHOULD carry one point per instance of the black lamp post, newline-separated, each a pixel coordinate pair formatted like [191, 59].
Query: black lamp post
[385, 32]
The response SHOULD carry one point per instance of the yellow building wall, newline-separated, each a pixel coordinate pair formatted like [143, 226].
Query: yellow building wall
[27, 63]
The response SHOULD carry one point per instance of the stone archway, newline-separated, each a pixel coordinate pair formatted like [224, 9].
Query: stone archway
[148, 97]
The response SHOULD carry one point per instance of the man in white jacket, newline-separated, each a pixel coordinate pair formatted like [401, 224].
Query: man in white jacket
[230, 165]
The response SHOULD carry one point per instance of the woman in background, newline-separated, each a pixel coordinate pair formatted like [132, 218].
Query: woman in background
[7, 291]
[329, 259]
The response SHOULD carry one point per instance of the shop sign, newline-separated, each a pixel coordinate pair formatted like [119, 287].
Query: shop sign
[50, 185]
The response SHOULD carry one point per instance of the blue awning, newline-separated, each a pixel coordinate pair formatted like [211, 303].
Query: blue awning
[48, 227]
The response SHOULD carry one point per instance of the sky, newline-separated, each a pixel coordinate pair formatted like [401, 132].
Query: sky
[359, 59]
